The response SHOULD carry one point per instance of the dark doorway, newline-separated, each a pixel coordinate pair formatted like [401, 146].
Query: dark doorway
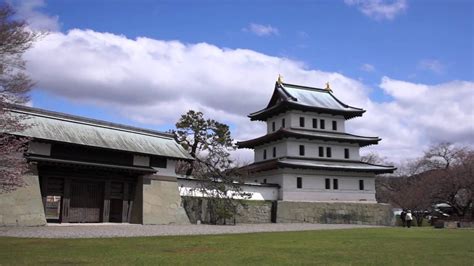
[86, 202]
[116, 207]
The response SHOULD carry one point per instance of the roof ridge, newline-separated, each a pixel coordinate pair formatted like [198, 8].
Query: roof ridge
[84, 120]
[305, 87]
[330, 132]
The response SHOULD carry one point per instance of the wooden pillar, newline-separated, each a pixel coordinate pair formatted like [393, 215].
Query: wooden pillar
[66, 201]
[130, 202]
[106, 209]
[126, 197]
[44, 191]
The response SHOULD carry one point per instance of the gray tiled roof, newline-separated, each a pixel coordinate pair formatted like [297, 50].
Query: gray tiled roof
[319, 164]
[53, 126]
[308, 134]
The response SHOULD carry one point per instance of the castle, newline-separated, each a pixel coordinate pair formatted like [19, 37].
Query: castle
[307, 151]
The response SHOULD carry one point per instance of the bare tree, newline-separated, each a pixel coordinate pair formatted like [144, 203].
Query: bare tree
[15, 39]
[442, 155]
[445, 174]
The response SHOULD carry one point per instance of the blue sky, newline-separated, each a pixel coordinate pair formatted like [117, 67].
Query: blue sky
[415, 43]
[329, 35]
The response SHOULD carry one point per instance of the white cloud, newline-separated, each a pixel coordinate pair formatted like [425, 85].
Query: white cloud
[431, 65]
[154, 81]
[379, 9]
[367, 68]
[28, 10]
[261, 30]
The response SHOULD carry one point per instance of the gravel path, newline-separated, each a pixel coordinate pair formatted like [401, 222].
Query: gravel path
[133, 230]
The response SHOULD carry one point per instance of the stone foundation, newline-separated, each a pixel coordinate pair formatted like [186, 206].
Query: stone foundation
[23, 206]
[199, 209]
[161, 203]
[334, 213]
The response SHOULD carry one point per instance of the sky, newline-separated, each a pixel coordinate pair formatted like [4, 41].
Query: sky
[144, 63]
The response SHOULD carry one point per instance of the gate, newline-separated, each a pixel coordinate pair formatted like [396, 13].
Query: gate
[86, 202]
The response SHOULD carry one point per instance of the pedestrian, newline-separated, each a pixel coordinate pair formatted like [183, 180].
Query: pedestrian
[403, 215]
[409, 218]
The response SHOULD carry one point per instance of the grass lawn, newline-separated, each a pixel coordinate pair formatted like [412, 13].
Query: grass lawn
[375, 246]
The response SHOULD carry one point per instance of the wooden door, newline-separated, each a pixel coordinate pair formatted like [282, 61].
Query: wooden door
[86, 202]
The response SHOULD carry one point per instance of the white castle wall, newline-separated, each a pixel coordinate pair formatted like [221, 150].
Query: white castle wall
[191, 188]
[292, 119]
[314, 185]
[290, 147]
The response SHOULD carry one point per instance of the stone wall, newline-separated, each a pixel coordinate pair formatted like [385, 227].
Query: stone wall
[199, 208]
[334, 213]
[157, 201]
[23, 206]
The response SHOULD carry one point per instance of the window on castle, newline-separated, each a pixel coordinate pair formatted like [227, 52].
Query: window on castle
[328, 183]
[299, 182]
[328, 152]
[273, 126]
[264, 154]
[301, 121]
[334, 125]
[335, 183]
[274, 152]
[302, 150]
[361, 184]
[322, 124]
[346, 153]
[321, 151]
[283, 123]
[315, 123]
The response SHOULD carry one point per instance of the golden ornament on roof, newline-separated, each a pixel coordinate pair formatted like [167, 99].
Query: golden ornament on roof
[328, 87]
[280, 79]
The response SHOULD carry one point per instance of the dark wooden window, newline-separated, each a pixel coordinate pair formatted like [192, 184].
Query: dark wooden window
[273, 126]
[301, 121]
[328, 152]
[334, 125]
[315, 123]
[299, 182]
[274, 152]
[321, 151]
[335, 183]
[264, 154]
[328, 183]
[361, 184]
[322, 124]
[302, 150]
[346, 153]
[283, 123]
[159, 162]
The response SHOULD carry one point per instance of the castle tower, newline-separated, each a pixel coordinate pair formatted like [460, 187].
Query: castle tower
[306, 149]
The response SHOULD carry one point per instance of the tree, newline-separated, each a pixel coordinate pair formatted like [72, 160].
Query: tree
[209, 142]
[444, 174]
[15, 39]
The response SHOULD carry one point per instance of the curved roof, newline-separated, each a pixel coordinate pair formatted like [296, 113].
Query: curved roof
[308, 134]
[53, 126]
[327, 165]
[295, 97]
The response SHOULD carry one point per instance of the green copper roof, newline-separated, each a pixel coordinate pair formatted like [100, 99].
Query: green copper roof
[295, 97]
[316, 98]
[52, 126]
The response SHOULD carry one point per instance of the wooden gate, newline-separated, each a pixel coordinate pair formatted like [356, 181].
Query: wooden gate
[86, 202]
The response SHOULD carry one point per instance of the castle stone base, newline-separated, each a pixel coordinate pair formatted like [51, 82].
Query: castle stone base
[334, 213]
